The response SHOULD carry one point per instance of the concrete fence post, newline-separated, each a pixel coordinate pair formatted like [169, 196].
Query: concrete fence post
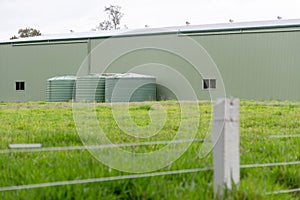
[226, 157]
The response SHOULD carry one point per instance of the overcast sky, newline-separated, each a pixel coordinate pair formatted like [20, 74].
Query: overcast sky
[61, 16]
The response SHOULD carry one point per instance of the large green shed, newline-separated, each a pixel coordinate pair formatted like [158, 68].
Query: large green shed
[248, 60]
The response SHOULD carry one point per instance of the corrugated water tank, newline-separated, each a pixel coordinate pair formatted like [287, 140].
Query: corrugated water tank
[60, 88]
[90, 88]
[130, 87]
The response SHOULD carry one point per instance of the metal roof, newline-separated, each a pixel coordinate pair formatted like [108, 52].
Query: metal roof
[255, 25]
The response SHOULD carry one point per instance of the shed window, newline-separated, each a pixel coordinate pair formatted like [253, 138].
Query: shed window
[205, 83]
[20, 85]
[209, 84]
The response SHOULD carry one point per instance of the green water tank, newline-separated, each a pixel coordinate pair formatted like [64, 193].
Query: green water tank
[130, 87]
[90, 88]
[60, 89]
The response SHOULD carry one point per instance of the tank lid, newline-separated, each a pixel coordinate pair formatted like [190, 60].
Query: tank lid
[62, 78]
[129, 75]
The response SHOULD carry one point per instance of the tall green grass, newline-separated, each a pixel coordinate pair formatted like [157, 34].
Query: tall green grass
[52, 125]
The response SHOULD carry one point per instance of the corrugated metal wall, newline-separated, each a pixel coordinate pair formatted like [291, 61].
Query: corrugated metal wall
[257, 65]
[34, 64]
[253, 65]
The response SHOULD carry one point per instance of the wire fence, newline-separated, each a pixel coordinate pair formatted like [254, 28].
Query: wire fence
[274, 122]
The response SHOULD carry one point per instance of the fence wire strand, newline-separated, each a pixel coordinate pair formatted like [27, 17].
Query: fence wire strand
[134, 176]
[270, 164]
[71, 148]
[103, 179]
[270, 136]
[284, 136]
[284, 191]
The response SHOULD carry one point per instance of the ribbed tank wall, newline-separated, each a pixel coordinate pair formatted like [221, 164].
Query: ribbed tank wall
[60, 89]
[90, 88]
[130, 88]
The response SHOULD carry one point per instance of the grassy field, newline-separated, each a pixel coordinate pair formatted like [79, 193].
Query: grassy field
[52, 125]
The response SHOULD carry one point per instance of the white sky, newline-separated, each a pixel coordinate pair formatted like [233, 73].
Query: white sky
[61, 16]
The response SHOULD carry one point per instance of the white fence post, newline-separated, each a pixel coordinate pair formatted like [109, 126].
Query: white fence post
[226, 156]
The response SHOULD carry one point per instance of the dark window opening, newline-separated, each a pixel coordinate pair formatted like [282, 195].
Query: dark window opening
[20, 85]
[209, 84]
[205, 83]
[212, 83]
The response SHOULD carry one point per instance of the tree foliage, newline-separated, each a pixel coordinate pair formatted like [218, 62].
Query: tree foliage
[114, 18]
[26, 32]
[105, 25]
